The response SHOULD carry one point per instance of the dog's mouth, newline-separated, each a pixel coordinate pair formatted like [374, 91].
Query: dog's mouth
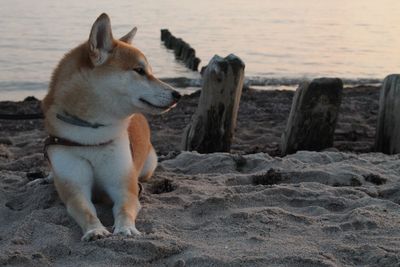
[156, 106]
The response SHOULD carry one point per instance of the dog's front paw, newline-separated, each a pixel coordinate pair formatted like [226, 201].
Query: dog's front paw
[95, 234]
[127, 230]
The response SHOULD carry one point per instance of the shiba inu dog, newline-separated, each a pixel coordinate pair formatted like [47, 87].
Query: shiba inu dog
[97, 138]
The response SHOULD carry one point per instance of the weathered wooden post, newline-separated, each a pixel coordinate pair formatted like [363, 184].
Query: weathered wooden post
[178, 47]
[387, 138]
[193, 63]
[213, 124]
[182, 50]
[170, 42]
[165, 34]
[313, 116]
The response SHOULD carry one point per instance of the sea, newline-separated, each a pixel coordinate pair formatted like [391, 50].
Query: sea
[281, 42]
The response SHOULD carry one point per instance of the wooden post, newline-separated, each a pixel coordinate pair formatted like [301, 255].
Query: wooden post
[313, 116]
[182, 50]
[178, 47]
[387, 138]
[170, 42]
[188, 53]
[165, 34]
[194, 63]
[213, 124]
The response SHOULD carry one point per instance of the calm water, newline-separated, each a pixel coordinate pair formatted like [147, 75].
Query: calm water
[281, 42]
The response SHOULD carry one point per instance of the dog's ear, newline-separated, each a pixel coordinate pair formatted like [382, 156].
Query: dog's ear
[127, 38]
[101, 41]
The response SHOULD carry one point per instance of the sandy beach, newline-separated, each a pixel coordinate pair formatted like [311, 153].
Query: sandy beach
[339, 207]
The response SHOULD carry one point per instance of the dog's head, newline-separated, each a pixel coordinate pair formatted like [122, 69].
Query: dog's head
[122, 75]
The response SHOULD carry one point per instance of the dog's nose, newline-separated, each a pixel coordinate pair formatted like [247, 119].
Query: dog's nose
[176, 95]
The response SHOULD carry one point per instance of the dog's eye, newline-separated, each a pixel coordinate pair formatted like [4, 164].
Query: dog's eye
[140, 70]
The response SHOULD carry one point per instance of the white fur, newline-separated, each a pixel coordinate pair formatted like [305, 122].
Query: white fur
[129, 87]
[101, 165]
[112, 107]
[104, 95]
[105, 166]
[114, 97]
[150, 165]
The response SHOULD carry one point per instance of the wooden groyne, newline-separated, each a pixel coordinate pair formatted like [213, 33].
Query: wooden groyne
[182, 50]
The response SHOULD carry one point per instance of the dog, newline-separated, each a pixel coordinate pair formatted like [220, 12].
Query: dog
[98, 137]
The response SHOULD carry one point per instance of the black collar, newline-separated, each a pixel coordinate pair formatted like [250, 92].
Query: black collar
[74, 120]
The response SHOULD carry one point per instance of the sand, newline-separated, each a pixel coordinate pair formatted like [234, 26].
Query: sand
[250, 208]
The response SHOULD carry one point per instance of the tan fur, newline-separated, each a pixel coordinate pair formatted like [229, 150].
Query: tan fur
[78, 206]
[68, 65]
[98, 82]
[139, 136]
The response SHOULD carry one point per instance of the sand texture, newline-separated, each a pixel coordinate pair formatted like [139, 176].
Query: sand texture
[248, 208]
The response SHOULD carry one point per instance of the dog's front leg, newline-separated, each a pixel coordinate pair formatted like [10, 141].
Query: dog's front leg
[80, 207]
[73, 178]
[126, 205]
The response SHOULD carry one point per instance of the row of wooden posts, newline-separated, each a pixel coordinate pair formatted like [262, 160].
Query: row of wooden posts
[182, 50]
[312, 120]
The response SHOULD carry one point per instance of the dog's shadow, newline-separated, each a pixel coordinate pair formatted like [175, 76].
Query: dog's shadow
[104, 212]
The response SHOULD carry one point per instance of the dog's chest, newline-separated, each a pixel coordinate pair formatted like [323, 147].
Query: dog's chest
[99, 164]
[113, 161]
